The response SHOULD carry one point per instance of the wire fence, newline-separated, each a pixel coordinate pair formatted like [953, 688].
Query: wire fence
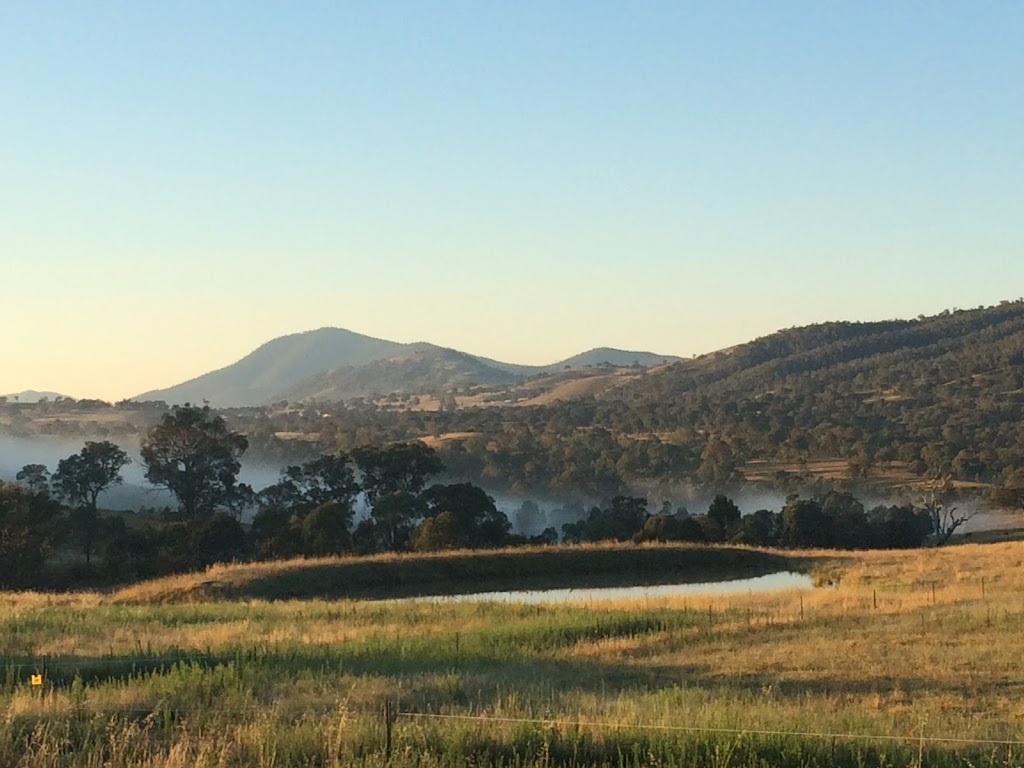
[825, 735]
[15, 668]
[390, 713]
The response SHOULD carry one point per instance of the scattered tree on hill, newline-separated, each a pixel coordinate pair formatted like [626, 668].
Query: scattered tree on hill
[529, 518]
[1010, 493]
[482, 523]
[725, 516]
[938, 504]
[216, 538]
[901, 527]
[276, 534]
[760, 529]
[668, 527]
[400, 467]
[393, 518]
[325, 530]
[621, 521]
[194, 455]
[80, 479]
[718, 463]
[28, 531]
[443, 531]
[848, 523]
[804, 524]
[327, 479]
[309, 510]
[34, 477]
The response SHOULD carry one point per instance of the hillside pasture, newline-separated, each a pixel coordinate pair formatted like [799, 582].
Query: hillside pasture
[907, 659]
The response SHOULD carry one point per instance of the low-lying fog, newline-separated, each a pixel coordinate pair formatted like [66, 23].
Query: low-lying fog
[529, 518]
[136, 492]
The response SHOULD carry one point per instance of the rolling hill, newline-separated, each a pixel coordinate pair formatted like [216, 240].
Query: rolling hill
[279, 365]
[335, 364]
[615, 357]
[970, 351]
[426, 370]
[32, 396]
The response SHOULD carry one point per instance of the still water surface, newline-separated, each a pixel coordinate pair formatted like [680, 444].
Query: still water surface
[766, 583]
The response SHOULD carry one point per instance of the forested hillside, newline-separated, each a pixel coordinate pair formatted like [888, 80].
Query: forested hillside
[929, 398]
[426, 370]
[941, 393]
[887, 405]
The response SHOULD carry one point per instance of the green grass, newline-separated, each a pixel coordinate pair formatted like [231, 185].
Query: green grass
[726, 681]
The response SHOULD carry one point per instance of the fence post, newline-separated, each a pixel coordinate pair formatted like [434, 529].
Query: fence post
[389, 720]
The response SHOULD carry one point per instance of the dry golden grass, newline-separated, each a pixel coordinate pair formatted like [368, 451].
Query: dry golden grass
[905, 642]
[436, 441]
[16, 603]
[896, 476]
[589, 386]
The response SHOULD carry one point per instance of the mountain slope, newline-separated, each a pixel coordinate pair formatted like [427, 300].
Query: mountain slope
[279, 365]
[939, 396]
[621, 358]
[330, 359]
[618, 357]
[906, 356]
[898, 404]
[32, 396]
[421, 371]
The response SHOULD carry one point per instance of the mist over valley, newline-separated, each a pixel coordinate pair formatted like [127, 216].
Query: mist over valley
[849, 406]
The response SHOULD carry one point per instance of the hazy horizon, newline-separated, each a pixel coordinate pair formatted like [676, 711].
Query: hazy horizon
[185, 182]
[483, 354]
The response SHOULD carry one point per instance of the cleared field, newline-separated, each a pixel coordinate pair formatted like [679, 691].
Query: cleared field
[436, 441]
[907, 654]
[890, 479]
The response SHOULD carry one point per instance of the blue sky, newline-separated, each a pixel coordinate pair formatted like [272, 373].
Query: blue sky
[180, 182]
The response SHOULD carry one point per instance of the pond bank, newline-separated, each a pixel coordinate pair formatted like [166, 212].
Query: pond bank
[467, 572]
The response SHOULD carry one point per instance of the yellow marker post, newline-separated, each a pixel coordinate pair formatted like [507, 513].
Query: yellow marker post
[36, 681]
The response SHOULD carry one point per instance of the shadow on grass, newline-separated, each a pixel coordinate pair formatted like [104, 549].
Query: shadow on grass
[477, 571]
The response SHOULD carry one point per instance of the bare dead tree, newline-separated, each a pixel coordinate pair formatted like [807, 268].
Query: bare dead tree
[938, 504]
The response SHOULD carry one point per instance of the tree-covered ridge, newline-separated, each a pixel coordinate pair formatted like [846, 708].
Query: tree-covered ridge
[942, 394]
[933, 398]
[880, 353]
[892, 403]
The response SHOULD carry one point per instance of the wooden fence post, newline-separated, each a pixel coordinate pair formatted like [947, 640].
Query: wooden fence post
[389, 721]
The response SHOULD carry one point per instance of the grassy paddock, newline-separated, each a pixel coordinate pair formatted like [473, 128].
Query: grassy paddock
[908, 650]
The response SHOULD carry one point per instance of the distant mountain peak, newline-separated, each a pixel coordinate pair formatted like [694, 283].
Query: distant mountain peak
[33, 396]
[337, 363]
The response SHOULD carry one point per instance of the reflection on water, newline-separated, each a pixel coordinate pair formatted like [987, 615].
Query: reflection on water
[771, 581]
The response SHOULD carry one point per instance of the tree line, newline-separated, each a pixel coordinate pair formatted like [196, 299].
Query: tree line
[312, 510]
[838, 520]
